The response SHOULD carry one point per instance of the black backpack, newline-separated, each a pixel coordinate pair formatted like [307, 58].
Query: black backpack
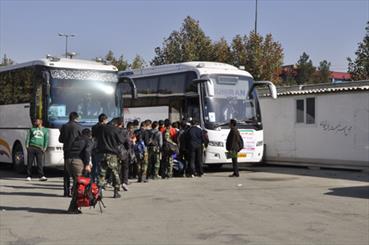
[240, 145]
[153, 138]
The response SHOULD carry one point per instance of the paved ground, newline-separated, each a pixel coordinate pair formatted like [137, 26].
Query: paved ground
[266, 205]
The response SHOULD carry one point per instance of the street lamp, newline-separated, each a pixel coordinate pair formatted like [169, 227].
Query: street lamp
[66, 41]
[256, 16]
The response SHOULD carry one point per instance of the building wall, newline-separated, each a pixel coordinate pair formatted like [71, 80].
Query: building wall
[339, 137]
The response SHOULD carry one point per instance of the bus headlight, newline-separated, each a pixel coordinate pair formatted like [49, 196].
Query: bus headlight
[259, 143]
[216, 143]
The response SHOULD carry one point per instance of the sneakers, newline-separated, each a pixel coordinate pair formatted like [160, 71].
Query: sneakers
[125, 187]
[43, 178]
[29, 178]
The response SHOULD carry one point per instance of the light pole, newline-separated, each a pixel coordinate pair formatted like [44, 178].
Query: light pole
[66, 41]
[256, 16]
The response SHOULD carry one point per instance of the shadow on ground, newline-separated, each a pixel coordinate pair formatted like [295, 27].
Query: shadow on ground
[31, 194]
[346, 174]
[7, 172]
[35, 187]
[33, 210]
[354, 191]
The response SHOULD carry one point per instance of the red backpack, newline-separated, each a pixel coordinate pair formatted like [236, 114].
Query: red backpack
[88, 193]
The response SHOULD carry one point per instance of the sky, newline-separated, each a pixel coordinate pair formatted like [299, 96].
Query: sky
[324, 29]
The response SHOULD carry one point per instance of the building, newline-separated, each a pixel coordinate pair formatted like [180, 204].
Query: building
[325, 125]
[289, 72]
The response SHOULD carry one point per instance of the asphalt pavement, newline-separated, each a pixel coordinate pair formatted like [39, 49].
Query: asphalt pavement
[265, 205]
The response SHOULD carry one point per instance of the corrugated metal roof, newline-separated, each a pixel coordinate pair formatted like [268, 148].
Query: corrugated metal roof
[358, 86]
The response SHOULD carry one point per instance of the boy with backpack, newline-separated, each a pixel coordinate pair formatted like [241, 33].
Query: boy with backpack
[79, 163]
[141, 153]
[154, 145]
[170, 147]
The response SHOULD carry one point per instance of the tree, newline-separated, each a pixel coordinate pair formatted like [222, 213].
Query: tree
[6, 61]
[138, 62]
[221, 51]
[238, 50]
[188, 44]
[359, 68]
[262, 57]
[305, 69]
[323, 74]
[120, 63]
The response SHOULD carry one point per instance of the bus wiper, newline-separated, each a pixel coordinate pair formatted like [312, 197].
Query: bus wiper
[221, 124]
[248, 121]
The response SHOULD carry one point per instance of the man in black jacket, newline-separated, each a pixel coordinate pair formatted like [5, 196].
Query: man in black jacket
[233, 145]
[96, 155]
[124, 152]
[108, 142]
[68, 133]
[79, 161]
[196, 139]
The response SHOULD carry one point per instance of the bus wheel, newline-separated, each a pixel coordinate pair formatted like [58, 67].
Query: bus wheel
[216, 166]
[18, 158]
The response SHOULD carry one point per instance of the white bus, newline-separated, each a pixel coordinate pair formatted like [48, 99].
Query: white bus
[213, 93]
[50, 89]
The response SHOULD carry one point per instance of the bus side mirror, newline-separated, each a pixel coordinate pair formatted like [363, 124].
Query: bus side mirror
[271, 86]
[46, 77]
[273, 90]
[209, 86]
[131, 84]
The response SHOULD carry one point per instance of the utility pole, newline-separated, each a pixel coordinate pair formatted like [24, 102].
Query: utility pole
[256, 16]
[66, 41]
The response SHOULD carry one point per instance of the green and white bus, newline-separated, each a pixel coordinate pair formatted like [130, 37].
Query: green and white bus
[211, 92]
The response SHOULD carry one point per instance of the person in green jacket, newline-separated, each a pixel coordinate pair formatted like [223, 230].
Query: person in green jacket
[36, 142]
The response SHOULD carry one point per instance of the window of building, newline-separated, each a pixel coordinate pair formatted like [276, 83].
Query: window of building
[305, 111]
[300, 111]
[310, 110]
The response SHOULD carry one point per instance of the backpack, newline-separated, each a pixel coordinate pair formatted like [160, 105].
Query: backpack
[153, 139]
[139, 149]
[168, 146]
[88, 194]
[240, 143]
[205, 138]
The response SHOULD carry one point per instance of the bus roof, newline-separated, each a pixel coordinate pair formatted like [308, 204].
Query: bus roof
[63, 63]
[201, 67]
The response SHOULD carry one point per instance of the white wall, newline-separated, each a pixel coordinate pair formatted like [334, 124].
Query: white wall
[340, 135]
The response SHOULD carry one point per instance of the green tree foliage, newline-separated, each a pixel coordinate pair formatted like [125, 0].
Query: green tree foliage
[238, 50]
[323, 73]
[359, 68]
[188, 44]
[6, 61]
[305, 70]
[262, 57]
[138, 62]
[120, 63]
[221, 52]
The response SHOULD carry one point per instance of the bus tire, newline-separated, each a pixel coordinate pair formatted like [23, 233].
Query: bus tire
[216, 166]
[18, 158]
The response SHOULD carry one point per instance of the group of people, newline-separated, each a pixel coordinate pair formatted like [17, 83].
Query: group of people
[114, 152]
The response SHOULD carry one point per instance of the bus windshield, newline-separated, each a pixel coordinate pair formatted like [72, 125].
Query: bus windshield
[230, 100]
[89, 93]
